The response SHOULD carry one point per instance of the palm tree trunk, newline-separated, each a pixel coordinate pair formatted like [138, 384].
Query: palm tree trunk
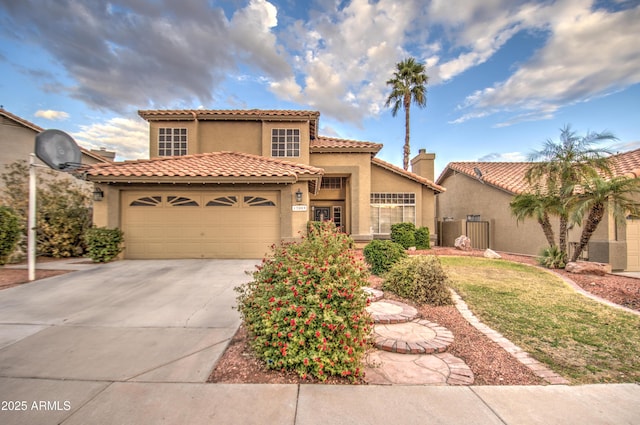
[562, 237]
[407, 148]
[547, 229]
[596, 213]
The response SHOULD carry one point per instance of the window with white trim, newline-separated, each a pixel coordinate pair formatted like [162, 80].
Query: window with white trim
[391, 208]
[172, 141]
[285, 142]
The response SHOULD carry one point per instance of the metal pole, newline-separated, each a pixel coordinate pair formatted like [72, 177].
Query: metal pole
[31, 224]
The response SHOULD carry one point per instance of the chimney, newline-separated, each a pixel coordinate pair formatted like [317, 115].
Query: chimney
[423, 164]
[110, 155]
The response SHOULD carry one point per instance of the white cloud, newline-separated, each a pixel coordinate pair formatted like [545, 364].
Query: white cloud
[129, 138]
[49, 114]
[589, 54]
[335, 56]
[344, 56]
[504, 157]
[250, 33]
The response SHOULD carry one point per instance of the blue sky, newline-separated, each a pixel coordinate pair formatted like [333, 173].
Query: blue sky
[504, 75]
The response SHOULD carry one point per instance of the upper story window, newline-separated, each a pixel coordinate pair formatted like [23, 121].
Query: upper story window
[172, 141]
[285, 142]
[331, 183]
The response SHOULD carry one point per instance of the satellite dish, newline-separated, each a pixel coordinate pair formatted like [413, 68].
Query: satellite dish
[58, 150]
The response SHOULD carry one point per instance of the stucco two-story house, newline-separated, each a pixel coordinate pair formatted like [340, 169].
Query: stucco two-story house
[476, 204]
[229, 183]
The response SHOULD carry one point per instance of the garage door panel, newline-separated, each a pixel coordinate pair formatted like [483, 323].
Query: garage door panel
[168, 224]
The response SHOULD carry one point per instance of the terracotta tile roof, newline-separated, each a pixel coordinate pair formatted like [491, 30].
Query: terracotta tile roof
[224, 113]
[509, 176]
[627, 163]
[331, 144]
[233, 114]
[215, 164]
[408, 174]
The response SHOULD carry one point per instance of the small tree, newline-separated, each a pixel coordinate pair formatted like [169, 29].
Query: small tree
[563, 167]
[63, 210]
[538, 206]
[594, 198]
[9, 232]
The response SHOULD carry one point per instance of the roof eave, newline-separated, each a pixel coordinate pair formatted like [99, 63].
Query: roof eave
[344, 150]
[431, 185]
[192, 179]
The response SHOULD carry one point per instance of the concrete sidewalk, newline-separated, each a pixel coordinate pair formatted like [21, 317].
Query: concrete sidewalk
[99, 402]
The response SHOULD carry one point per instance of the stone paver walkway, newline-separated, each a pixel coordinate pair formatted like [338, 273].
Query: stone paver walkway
[416, 337]
[413, 351]
[390, 311]
[410, 351]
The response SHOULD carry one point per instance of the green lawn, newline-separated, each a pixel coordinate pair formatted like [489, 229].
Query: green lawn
[581, 339]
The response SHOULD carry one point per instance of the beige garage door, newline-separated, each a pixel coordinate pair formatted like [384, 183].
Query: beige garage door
[633, 244]
[174, 224]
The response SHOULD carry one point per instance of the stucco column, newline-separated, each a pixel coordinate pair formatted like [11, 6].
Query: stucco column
[106, 213]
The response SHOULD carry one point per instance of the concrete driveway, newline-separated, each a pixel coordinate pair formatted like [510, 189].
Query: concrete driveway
[66, 338]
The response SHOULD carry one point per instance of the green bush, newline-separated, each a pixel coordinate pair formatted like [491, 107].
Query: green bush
[63, 216]
[313, 228]
[381, 255]
[423, 238]
[63, 210]
[305, 308]
[552, 258]
[420, 279]
[404, 234]
[9, 232]
[103, 244]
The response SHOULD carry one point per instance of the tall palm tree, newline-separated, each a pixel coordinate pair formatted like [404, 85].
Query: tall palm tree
[566, 164]
[617, 193]
[538, 206]
[409, 84]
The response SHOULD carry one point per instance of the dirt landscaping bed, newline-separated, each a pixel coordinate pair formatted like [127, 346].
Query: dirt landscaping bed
[490, 364]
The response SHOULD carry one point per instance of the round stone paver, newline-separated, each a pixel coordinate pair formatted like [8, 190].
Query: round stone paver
[384, 368]
[389, 311]
[408, 332]
[373, 294]
[416, 337]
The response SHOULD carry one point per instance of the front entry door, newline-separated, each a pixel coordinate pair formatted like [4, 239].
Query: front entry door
[332, 213]
[322, 213]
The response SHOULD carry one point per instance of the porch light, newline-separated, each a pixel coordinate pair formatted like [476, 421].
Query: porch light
[98, 194]
[299, 196]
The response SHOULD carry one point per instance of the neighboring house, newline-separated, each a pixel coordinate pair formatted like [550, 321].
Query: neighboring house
[477, 199]
[229, 183]
[17, 141]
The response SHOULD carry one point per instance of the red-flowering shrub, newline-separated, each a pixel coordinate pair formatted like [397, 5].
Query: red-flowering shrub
[305, 308]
